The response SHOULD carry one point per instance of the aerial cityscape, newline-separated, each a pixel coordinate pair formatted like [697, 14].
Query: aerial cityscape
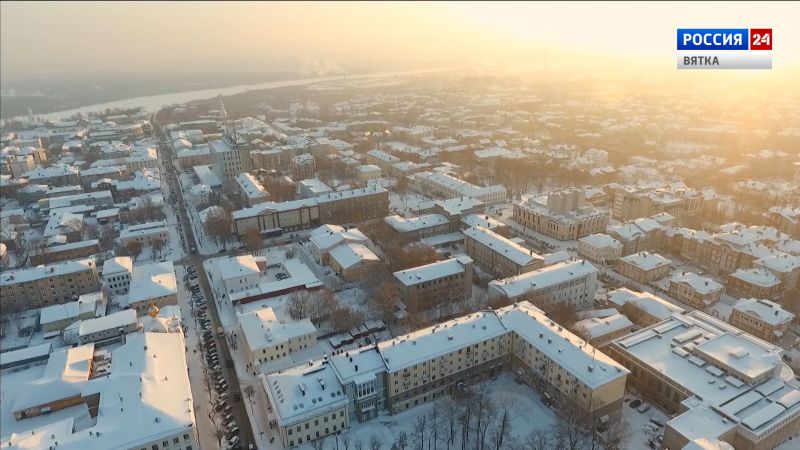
[399, 226]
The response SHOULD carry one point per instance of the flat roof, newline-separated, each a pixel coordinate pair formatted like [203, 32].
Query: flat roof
[433, 271]
[303, 392]
[503, 246]
[542, 278]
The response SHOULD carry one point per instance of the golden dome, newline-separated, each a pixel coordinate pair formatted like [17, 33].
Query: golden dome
[153, 311]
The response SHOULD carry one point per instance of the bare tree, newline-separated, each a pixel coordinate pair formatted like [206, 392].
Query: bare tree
[346, 439]
[419, 432]
[219, 224]
[402, 441]
[157, 244]
[375, 442]
[615, 435]
[572, 429]
[449, 422]
[507, 409]
[107, 235]
[134, 249]
[539, 439]
[252, 240]
[319, 444]
[358, 444]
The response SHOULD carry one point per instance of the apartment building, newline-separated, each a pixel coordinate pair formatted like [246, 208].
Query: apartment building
[226, 159]
[416, 228]
[570, 283]
[355, 205]
[644, 267]
[756, 283]
[144, 233]
[328, 237]
[498, 255]
[428, 363]
[40, 286]
[250, 190]
[273, 159]
[695, 291]
[353, 261]
[65, 252]
[600, 249]
[762, 318]
[107, 328]
[720, 381]
[307, 403]
[382, 159]
[199, 155]
[152, 284]
[117, 274]
[267, 338]
[648, 309]
[447, 186]
[562, 215]
[367, 172]
[240, 273]
[57, 317]
[428, 287]
[362, 374]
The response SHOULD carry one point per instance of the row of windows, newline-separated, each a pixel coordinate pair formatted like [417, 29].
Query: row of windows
[175, 441]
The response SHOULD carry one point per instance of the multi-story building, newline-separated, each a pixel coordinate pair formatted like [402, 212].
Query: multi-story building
[644, 267]
[382, 159]
[328, 237]
[426, 364]
[415, 228]
[695, 291]
[367, 172]
[117, 274]
[240, 273]
[152, 284]
[756, 283]
[226, 159]
[429, 287]
[153, 387]
[267, 338]
[362, 374]
[721, 382]
[144, 233]
[57, 317]
[40, 286]
[600, 249]
[307, 403]
[356, 205]
[447, 186]
[199, 155]
[56, 175]
[562, 215]
[570, 283]
[110, 327]
[72, 250]
[274, 159]
[353, 261]
[645, 308]
[498, 255]
[600, 331]
[313, 187]
[251, 191]
[762, 318]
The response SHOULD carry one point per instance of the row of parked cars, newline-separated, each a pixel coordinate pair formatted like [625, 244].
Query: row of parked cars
[211, 355]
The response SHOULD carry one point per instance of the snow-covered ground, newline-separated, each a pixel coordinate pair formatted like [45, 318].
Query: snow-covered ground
[640, 429]
[528, 412]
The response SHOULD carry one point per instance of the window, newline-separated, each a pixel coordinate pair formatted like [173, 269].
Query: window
[165, 444]
[185, 437]
[176, 440]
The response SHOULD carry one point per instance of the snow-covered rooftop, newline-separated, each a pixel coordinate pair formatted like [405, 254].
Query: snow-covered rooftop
[113, 321]
[542, 278]
[600, 241]
[152, 281]
[649, 303]
[646, 260]
[764, 310]
[701, 285]
[433, 271]
[503, 246]
[404, 225]
[759, 276]
[262, 329]
[302, 392]
[9, 277]
[349, 254]
[601, 326]
[240, 266]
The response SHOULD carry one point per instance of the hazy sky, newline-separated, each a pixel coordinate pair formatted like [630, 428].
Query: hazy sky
[40, 38]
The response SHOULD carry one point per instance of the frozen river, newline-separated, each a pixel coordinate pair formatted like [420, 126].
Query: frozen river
[155, 102]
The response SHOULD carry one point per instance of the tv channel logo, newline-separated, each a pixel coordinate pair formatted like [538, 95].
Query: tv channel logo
[724, 48]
